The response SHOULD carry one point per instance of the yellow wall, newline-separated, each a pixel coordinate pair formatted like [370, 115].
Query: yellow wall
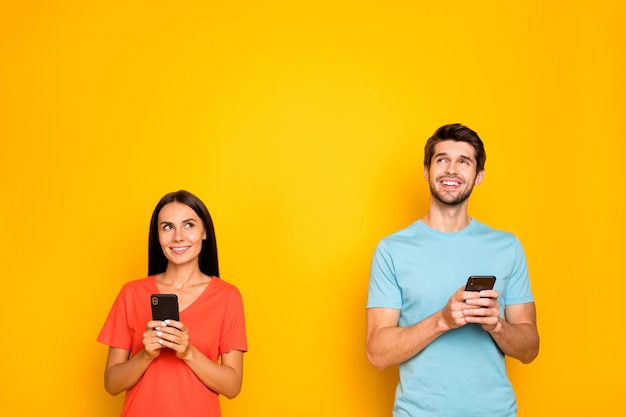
[301, 125]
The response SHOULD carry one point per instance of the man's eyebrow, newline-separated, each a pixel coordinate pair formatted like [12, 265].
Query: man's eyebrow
[469, 158]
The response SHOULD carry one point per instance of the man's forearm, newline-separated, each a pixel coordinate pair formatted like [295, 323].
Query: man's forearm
[519, 341]
[391, 346]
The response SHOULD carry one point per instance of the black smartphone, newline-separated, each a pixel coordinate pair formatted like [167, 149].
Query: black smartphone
[164, 306]
[480, 282]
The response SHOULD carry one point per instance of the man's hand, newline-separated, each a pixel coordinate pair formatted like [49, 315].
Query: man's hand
[482, 308]
[454, 312]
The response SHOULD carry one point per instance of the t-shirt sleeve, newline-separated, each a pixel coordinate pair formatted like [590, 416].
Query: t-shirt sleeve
[518, 289]
[234, 326]
[115, 331]
[383, 290]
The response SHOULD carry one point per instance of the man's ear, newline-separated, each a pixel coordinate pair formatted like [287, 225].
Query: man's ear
[426, 176]
[479, 177]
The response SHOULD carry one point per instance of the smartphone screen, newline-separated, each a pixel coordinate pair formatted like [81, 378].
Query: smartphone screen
[164, 306]
[480, 282]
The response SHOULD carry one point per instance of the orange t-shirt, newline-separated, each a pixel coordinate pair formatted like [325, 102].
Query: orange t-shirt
[169, 388]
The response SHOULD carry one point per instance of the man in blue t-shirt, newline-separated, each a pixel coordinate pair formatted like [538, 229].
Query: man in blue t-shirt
[450, 343]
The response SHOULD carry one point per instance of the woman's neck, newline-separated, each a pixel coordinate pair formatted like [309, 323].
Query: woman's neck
[179, 277]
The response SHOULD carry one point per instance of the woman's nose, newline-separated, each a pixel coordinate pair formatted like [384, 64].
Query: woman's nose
[178, 234]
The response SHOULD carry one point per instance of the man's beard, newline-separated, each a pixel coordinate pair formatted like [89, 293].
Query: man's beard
[444, 198]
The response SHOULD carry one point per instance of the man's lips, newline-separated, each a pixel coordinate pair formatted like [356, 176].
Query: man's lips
[450, 182]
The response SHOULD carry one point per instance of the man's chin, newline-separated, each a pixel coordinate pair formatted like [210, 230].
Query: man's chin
[452, 201]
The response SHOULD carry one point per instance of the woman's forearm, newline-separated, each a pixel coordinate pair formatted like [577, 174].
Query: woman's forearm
[224, 378]
[122, 375]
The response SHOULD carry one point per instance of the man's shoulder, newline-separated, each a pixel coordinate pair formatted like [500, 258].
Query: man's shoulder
[484, 229]
[488, 228]
[403, 234]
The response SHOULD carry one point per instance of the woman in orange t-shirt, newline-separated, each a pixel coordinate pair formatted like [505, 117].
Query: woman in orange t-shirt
[177, 368]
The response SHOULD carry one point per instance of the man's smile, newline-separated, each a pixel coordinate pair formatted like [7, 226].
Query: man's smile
[451, 182]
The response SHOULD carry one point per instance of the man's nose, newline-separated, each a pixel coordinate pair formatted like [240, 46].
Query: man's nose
[451, 168]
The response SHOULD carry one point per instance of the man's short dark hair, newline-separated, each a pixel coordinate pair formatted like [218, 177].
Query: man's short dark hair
[459, 133]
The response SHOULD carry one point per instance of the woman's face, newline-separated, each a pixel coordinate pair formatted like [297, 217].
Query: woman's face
[181, 233]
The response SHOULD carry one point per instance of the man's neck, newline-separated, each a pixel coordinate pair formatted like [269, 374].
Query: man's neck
[447, 219]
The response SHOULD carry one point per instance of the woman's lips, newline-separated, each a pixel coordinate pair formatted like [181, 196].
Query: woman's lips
[179, 249]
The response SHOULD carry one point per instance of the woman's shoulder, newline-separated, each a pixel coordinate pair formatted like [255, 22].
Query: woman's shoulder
[224, 286]
[146, 284]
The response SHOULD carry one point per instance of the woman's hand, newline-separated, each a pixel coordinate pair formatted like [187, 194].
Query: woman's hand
[171, 334]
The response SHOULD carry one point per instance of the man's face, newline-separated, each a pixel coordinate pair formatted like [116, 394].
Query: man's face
[452, 174]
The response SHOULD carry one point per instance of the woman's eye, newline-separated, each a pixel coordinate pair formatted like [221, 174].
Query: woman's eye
[167, 227]
[188, 225]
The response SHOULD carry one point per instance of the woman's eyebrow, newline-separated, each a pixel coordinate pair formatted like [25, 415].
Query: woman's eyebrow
[182, 221]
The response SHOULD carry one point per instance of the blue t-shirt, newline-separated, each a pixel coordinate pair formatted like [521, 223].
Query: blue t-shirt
[416, 271]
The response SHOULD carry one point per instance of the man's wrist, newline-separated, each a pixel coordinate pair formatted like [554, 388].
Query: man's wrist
[498, 327]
